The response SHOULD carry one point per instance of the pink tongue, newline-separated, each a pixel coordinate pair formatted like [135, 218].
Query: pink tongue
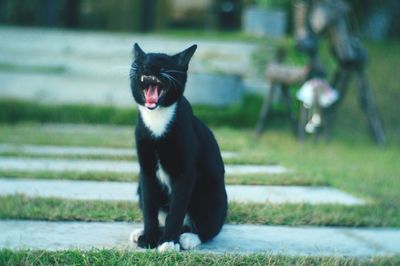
[152, 96]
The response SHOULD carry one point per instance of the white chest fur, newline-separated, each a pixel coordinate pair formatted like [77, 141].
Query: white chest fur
[157, 120]
[163, 177]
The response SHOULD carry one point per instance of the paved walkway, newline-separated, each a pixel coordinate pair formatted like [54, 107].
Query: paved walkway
[60, 165]
[78, 150]
[94, 190]
[314, 241]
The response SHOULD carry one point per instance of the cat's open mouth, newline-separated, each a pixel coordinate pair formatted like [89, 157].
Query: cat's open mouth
[152, 90]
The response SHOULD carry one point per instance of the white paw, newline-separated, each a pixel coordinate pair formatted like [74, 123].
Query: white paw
[189, 241]
[134, 237]
[168, 246]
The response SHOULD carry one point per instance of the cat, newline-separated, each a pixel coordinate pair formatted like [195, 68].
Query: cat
[181, 190]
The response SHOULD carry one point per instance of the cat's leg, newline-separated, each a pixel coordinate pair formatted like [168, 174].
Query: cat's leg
[150, 193]
[150, 206]
[188, 238]
[208, 210]
[135, 234]
[180, 197]
[162, 216]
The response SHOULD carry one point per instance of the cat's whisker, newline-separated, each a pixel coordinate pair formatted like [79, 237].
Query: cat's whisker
[168, 76]
[174, 71]
[171, 81]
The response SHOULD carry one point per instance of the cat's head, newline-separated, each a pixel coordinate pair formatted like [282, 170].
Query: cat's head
[158, 80]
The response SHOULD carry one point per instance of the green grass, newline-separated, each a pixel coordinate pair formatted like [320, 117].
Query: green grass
[288, 179]
[12, 111]
[125, 257]
[52, 209]
[66, 210]
[68, 135]
[22, 154]
[17, 111]
[70, 175]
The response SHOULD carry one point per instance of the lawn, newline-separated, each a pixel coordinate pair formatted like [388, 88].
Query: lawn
[122, 257]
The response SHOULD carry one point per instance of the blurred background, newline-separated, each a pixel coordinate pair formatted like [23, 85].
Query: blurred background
[76, 53]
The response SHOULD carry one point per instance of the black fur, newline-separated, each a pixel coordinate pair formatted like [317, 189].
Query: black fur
[187, 151]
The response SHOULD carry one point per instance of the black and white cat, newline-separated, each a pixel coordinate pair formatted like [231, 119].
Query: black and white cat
[181, 190]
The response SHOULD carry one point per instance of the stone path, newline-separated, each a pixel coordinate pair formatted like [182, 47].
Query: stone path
[94, 190]
[77, 150]
[314, 241]
[59, 165]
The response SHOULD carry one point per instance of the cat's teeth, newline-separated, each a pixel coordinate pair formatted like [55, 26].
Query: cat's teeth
[152, 78]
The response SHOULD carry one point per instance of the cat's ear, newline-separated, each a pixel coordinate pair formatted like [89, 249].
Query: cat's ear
[185, 56]
[137, 51]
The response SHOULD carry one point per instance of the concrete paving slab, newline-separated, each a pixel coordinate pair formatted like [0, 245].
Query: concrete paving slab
[78, 150]
[310, 241]
[291, 194]
[95, 190]
[57, 165]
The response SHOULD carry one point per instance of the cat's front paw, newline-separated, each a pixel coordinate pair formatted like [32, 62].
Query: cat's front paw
[189, 241]
[134, 236]
[168, 246]
[147, 241]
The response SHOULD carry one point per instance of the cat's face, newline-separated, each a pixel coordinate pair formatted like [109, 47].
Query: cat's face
[158, 80]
